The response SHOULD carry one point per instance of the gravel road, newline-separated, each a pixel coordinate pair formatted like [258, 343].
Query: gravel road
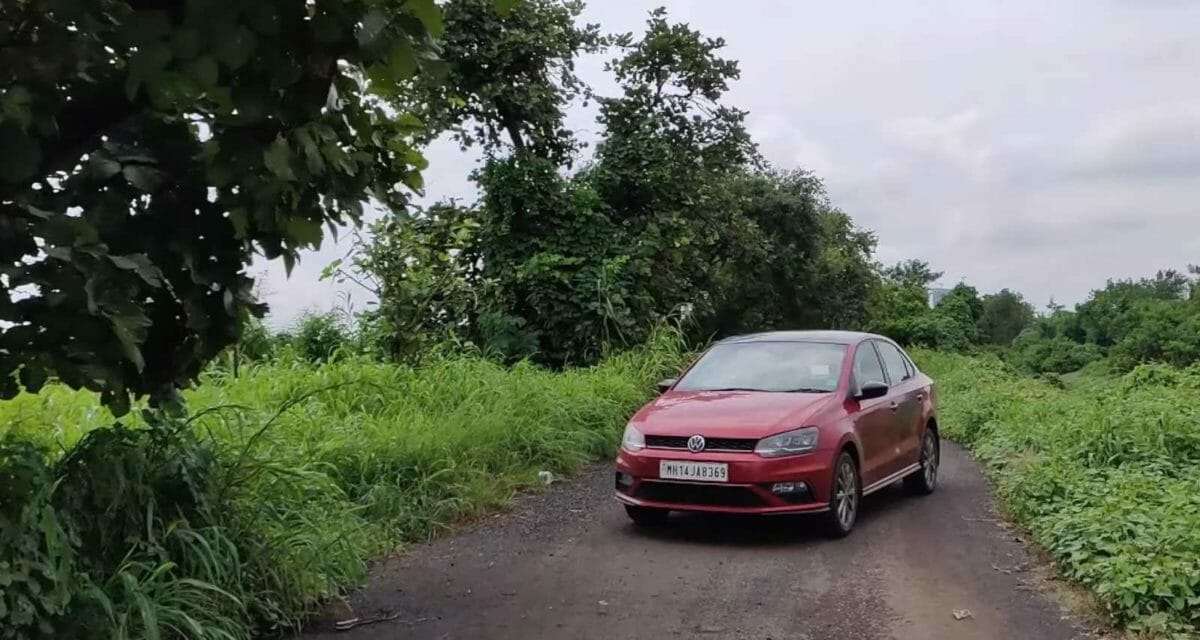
[565, 563]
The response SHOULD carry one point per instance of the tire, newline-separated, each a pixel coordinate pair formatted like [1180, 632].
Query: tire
[647, 516]
[845, 497]
[923, 481]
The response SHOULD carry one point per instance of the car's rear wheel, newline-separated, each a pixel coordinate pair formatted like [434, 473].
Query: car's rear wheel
[646, 516]
[923, 481]
[844, 497]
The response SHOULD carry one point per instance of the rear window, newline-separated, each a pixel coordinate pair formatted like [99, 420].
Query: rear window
[812, 367]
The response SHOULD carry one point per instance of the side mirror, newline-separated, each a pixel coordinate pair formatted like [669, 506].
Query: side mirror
[871, 390]
[664, 385]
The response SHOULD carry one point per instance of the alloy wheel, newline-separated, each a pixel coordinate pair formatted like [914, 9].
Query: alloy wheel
[929, 459]
[846, 494]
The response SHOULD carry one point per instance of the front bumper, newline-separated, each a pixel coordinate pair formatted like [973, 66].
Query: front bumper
[748, 490]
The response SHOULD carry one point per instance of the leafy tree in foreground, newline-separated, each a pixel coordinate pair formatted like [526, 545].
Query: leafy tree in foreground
[150, 148]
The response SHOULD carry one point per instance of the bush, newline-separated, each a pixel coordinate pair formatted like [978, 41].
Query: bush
[245, 519]
[318, 336]
[1054, 355]
[1106, 476]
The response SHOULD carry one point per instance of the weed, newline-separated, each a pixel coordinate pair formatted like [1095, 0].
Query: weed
[287, 479]
[1104, 472]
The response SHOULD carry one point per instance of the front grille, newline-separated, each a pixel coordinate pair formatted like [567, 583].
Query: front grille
[713, 495]
[710, 444]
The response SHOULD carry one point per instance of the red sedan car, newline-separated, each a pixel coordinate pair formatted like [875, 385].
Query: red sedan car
[782, 422]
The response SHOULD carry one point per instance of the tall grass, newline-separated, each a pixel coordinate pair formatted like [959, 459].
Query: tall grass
[280, 488]
[1104, 471]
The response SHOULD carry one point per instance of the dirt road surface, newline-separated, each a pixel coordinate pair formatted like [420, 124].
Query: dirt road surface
[565, 563]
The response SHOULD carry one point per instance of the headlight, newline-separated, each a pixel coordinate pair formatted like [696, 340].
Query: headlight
[788, 443]
[633, 440]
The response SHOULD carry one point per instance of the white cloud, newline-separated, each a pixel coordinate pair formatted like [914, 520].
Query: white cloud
[954, 138]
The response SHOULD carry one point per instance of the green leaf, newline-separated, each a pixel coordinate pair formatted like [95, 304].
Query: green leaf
[410, 121]
[204, 69]
[503, 7]
[370, 34]
[264, 17]
[21, 154]
[102, 167]
[14, 106]
[141, 176]
[402, 62]
[59, 253]
[185, 43]
[140, 264]
[413, 158]
[142, 27]
[33, 377]
[129, 345]
[276, 157]
[414, 180]
[235, 49]
[146, 66]
[330, 269]
[303, 231]
[428, 13]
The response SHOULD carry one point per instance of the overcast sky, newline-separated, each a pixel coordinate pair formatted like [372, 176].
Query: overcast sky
[1040, 146]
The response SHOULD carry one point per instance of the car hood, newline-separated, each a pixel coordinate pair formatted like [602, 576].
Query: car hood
[728, 414]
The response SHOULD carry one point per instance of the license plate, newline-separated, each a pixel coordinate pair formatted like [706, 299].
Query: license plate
[698, 471]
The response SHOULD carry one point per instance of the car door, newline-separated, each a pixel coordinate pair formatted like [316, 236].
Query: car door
[905, 405]
[873, 418]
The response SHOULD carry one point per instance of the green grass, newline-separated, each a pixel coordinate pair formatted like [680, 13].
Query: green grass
[286, 482]
[291, 478]
[1104, 472]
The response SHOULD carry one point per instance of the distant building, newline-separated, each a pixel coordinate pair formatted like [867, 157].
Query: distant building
[936, 294]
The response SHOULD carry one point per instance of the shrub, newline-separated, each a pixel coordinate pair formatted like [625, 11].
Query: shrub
[318, 336]
[244, 519]
[1105, 474]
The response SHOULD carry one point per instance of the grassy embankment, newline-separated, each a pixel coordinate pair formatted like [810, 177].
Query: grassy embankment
[1103, 471]
[265, 512]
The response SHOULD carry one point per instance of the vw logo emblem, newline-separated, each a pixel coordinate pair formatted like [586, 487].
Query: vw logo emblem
[696, 443]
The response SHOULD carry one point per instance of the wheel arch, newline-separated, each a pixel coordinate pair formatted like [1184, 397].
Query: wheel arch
[855, 451]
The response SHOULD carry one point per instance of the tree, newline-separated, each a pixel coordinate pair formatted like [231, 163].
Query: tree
[1005, 315]
[508, 75]
[150, 148]
[914, 273]
[796, 261]
[663, 168]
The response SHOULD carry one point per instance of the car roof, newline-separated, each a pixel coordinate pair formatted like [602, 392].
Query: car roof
[836, 337]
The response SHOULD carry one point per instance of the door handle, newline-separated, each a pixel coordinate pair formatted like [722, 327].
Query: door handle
[920, 396]
[894, 406]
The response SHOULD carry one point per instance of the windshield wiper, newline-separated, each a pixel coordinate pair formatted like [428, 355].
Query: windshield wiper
[807, 390]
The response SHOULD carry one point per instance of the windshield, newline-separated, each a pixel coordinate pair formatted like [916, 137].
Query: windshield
[812, 367]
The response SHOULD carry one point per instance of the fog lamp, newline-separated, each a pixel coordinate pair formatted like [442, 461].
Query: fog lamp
[788, 488]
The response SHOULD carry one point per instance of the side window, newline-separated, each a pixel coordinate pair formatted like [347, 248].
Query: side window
[866, 365]
[893, 361]
[909, 364]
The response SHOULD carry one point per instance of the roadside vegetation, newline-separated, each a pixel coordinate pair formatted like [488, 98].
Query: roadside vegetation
[170, 466]
[281, 487]
[1104, 472]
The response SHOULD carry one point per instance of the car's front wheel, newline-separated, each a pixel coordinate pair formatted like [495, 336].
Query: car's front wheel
[844, 497]
[923, 481]
[646, 516]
